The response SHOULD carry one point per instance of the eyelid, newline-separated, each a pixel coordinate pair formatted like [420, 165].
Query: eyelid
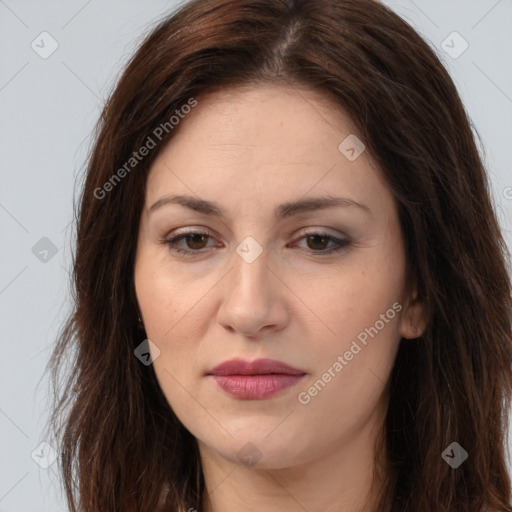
[310, 230]
[317, 230]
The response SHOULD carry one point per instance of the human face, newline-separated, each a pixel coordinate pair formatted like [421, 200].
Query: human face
[250, 151]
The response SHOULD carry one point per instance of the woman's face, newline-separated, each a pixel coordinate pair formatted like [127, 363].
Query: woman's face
[264, 280]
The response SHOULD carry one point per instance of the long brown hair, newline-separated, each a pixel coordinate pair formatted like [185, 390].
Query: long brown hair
[122, 448]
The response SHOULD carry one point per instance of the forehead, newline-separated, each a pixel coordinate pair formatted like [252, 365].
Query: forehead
[261, 142]
[266, 115]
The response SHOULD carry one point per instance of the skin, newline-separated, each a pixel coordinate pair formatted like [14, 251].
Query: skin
[250, 150]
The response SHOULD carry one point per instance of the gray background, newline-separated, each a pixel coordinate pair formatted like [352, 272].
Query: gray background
[47, 110]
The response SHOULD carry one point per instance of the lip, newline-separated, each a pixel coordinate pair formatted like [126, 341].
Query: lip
[255, 380]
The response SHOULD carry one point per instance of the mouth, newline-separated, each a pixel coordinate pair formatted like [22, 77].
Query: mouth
[256, 380]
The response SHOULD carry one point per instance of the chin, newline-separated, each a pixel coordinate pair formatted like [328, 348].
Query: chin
[261, 451]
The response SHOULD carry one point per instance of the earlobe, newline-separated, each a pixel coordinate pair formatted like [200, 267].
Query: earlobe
[416, 332]
[414, 319]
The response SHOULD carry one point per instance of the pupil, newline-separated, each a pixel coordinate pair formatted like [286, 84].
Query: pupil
[318, 237]
[195, 238]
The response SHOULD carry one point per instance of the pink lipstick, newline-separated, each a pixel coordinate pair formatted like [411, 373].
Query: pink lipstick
[255, 380]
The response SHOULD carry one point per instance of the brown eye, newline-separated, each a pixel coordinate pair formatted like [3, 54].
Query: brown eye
[318, 243]
[195, 242]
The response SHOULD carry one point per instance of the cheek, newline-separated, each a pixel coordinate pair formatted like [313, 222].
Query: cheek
[174, 318]
[355, 297]
[360, 312]
[165, 311]
[353, 365]
[155, 299]
[161, 297]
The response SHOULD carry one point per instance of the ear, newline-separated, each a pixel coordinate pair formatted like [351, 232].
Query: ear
[414, 318]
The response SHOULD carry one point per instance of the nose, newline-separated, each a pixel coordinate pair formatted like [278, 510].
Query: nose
[254, 298]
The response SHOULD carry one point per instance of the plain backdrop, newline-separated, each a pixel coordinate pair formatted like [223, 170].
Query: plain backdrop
[48, 106]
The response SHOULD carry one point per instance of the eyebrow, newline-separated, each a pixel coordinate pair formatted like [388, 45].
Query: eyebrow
[282, 211]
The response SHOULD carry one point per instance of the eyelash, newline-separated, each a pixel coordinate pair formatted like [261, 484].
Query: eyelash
[172, 243]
